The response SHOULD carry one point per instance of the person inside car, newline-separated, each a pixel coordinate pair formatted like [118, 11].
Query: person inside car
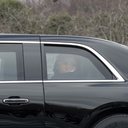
[65, 67]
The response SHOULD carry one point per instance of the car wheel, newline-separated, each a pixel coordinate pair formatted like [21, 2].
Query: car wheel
[114, 121]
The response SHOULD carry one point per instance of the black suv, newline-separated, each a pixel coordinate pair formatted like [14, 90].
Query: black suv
[62, 82]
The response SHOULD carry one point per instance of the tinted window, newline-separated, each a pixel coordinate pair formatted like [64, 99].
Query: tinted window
[68, 63]
[11, 67]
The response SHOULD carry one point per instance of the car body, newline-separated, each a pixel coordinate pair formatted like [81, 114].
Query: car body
[31, 95]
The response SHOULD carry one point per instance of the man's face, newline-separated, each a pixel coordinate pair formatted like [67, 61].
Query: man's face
[65, 68]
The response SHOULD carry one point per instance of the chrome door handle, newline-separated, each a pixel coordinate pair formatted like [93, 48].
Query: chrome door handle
[15, 101]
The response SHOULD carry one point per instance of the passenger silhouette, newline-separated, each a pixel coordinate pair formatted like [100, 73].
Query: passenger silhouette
[65, 67]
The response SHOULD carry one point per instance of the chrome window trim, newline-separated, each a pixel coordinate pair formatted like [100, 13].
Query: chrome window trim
[18, 82]
[103, 60]
[82, 81]
[19, 42]
[57, 81]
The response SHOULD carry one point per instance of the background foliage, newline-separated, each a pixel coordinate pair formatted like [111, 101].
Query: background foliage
[106, 19]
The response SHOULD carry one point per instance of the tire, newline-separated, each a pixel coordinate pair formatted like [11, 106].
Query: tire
[114, 121]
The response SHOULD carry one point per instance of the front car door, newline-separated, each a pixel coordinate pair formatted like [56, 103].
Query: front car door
[21, 91]
[76, 77]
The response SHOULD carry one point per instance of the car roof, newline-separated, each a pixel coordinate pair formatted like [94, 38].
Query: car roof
[96, 43]
[13, 36]
[16, 37]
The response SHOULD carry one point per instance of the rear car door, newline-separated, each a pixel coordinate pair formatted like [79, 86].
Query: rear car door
[76, 82]
[21, 90]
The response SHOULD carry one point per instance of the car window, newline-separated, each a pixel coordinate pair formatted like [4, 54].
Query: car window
[68, 63]
[11, 67]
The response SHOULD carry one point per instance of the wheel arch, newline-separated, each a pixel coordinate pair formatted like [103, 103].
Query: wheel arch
[103, 111]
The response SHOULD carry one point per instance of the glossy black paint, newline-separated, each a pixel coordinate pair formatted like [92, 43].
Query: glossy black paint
[31, 114]
[80, 99]
[62, 104]
[22, 115]
[80, 104]
[32, 59]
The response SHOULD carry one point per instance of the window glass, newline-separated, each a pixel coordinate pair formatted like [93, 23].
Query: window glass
[68, 63]
[8, 66]
[11, 67]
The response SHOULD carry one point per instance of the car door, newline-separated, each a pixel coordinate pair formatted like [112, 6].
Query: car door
[76, 82]
[21, 90]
